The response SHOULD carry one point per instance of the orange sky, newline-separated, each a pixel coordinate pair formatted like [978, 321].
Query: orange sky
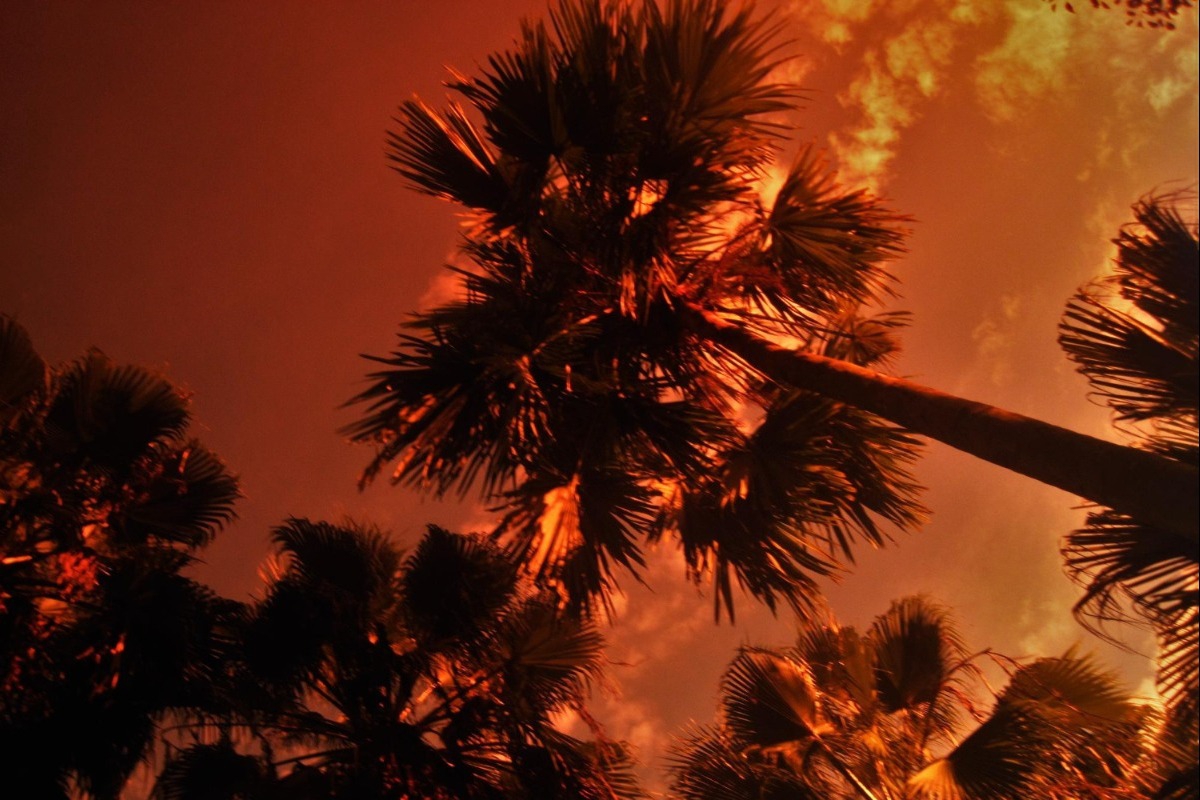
[202, 188]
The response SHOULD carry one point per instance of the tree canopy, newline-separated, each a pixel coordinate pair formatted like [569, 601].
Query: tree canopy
[646, 348]
[898, 711]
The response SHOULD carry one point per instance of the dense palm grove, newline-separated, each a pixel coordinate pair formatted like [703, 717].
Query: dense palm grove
[645, 349]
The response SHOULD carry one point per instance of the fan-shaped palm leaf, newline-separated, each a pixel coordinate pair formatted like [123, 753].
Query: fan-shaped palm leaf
[709, 764]
[827, 245]
[1134, 334]
[1054, 714]
[189, 496]
[452, 587]
[110, 415]
[919, 657]
[770, 700]
[23, 374]
[549, 661]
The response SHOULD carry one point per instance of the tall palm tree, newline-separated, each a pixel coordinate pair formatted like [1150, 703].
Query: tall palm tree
[882, 714]
[103, 501]
[647, 347]
[369, 674]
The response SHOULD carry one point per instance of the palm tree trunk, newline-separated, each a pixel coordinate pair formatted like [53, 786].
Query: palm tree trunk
[1153, 489]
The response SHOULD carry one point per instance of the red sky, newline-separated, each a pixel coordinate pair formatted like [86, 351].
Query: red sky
[202, 188]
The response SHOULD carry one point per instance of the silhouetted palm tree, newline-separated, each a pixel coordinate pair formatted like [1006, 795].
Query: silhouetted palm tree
[646, 347]
[102, 502]
[1136, 336]
[850, 715]
[376, 676]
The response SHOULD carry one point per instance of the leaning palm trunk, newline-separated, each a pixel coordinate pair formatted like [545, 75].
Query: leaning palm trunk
[1146, 486]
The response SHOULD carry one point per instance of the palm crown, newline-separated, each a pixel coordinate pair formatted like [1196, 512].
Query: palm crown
[1135, 335]
[614, 190]
[641, 335]
[883, 713]
[367, 673]
[103, 502]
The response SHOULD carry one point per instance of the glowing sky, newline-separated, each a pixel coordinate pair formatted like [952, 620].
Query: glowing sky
[202, 188]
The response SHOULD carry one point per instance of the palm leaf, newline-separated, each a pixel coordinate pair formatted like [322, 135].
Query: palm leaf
[843, 664]
[919, 656]
[444, 155]
[515, 94]
[188, 499]
[1051, 712]
[110, 415]
[1115, 558]
[549, 660]
[453, 586]
[709, 764]
[770, 700]
[563, 766]
[826, 244]
[570, 532]
[22, 372]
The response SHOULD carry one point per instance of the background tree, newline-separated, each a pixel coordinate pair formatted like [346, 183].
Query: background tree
[648, 348]
[103, 501]
[367, 674]
[1141, 13]
[882, 714]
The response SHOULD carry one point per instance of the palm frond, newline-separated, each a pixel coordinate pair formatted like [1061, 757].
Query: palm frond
[1116, 559]
[516, 96]
[1134, 334]
[23, 374]
[843, 664]
[190, 496]
[867, 341]
[110, 415]
[708, 764]
[709, 103]
[769, 553]
[829, 245]
[919, 658]
[563, 766]
[347, 560]
[570, 532]
[771, 700]
[1043, 724]
[549, 660]
[453, 586]
[442, 154]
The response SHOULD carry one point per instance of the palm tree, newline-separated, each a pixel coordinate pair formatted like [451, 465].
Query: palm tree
[1134, 335]
[103, 501]
[368, 674]
[849, 715]
[646, 347]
